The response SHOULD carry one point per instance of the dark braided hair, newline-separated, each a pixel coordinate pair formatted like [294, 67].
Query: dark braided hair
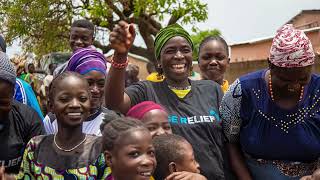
[215, 38]
[115, 128]
[168, 149]
[59, 78]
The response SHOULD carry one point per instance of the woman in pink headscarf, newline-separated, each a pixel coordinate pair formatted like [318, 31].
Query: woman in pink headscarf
[153, 116]
[271, 117]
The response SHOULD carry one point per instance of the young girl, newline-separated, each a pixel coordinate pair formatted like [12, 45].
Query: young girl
[128, 150]
[153, 116]
[68, 154]
[214, 60]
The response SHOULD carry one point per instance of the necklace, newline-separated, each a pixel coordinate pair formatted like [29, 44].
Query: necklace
[68, 150]
[179, 88]
[271, 91]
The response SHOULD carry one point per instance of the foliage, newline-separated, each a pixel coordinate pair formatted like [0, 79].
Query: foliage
[43, 25]
[197, 38]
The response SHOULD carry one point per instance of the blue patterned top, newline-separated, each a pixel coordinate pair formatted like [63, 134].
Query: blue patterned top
[267, 131]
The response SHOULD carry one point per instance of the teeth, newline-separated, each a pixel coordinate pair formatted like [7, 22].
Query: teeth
[178, 66]
[74, 114]
[146, 174]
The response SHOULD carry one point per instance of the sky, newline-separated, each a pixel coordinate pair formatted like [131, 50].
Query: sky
[241, 20]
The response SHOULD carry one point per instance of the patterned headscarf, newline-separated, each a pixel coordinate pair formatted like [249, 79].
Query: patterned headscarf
[139, 110]
[7, 71]
[291, 48]
[85, 60]
[165, 34]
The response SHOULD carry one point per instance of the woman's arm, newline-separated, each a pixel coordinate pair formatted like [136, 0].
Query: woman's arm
[121, 39]
[231, 121]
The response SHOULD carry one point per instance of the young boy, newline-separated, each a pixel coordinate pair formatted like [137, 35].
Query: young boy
[175, 157]
[81, 36]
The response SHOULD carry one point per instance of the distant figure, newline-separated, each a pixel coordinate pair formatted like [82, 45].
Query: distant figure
[132, 72]
[153, 76]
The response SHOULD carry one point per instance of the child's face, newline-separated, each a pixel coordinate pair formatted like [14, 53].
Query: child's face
[213, 60]
[80, 38]
[71, 102]
[96, 81]
[157, 122]
[188, 162]
[133, 156]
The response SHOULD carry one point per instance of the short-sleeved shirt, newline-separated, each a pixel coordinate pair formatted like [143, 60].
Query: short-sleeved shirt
[22, 124]
[195, 117]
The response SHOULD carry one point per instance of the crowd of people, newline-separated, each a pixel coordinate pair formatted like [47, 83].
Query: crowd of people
[105, 123]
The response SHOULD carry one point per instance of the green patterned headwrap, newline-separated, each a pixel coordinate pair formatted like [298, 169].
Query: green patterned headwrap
[166, 34]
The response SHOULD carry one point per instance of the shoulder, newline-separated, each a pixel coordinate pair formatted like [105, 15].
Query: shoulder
[23, 109]
[35, 141]
[206, 86]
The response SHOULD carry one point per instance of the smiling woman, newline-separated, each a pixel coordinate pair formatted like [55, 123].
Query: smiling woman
[187, 102]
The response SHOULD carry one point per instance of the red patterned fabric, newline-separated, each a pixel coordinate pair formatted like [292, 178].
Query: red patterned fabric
[142, 108]
[291, 48]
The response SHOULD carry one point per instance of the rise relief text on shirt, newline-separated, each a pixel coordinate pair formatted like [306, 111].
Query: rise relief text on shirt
[195, 119]
[11, 162]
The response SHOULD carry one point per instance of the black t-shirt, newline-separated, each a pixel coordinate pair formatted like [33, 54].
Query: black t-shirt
[22, 124]
[195, 117]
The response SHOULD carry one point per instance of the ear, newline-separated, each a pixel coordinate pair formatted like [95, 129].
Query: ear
[269, 63]
[228, 60]
[172, 167]
[108, 157]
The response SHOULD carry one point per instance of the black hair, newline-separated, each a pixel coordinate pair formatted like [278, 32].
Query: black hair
[115, 128]
[214, 38]
[151, 67]
[59, 78]
[168, 149]
[83, 23]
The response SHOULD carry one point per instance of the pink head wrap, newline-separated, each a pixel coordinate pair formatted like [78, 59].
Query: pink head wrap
[142, 108]
[291, 48]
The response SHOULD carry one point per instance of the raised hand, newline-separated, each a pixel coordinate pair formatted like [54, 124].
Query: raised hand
[121, 38]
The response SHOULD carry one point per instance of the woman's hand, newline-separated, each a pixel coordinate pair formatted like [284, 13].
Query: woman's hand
[314, 176]
[4, 176]
[121, 39]
[183, 175]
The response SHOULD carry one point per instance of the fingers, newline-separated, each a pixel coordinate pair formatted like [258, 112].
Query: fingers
[122, 36]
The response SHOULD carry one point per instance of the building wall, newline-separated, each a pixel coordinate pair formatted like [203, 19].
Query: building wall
[260, 50]
[143, 73]
[307, 20]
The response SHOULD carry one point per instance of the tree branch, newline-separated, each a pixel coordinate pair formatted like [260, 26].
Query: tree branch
[115, 9]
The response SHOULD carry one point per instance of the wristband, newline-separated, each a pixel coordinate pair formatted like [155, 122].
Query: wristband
[119, 65]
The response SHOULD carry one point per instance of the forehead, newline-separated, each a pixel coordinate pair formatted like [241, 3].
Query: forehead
[176, 41]
[81, 30]
[155, 115]
[135, 137]
[293, 72]
[213, 45]
[72, 83]
[97, 75]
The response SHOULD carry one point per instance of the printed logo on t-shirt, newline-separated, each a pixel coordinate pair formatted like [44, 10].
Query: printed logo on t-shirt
[212, 117]
[11, 162]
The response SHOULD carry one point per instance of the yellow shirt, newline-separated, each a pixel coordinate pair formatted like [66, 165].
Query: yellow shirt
[225, 86]
[155, 77]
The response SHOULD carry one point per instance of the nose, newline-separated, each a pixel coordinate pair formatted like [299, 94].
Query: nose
[178, 55]
[94, 89]
[78, 41]
[160, 131]
[75, 103]
[147, 161]
[213, 62]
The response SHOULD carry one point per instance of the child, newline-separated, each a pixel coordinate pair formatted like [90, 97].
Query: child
[68, 154]
[128, 150]
[175, 158]
[153, 116]
[214, 59]
[81, 36]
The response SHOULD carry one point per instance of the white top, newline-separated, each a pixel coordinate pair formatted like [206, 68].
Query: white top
[89, 127]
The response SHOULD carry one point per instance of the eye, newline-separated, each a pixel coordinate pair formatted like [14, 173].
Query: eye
[170, 51]
[101, 84]
[186, 50]
[134, 154]
[83, 98]
[64, 98]
[152, 128]
[167, 127]
[151, 152]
